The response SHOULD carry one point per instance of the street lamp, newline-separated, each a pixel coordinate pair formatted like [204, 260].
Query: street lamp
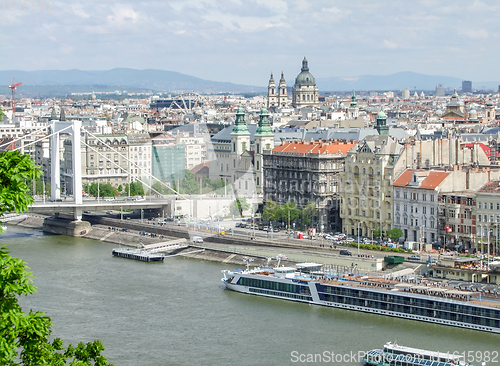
[359, 223]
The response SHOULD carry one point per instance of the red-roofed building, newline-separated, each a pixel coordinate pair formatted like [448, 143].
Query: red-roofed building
[416, 203]
[302, 171]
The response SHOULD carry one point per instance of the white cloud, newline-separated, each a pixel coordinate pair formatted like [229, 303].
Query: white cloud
[389, 44]
[474, 33]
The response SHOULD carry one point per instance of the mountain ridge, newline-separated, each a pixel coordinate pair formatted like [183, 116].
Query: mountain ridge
[172, 81]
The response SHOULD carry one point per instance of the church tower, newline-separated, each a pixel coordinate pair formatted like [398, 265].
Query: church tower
[272, 97]
[305, 93]
[381, 126]
[264, 140]
[353, 108]
[282, 94]
[240, 140]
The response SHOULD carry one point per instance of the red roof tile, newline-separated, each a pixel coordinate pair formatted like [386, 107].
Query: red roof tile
[314, 147]
[431, 181]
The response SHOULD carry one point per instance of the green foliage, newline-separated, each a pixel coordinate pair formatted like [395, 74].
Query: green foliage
[120, 188]
[377, 233]
[105, 189]
[290, 207]
[271, 211]
[24, 337]
[15, 170]
[308, 212]
[375, 247]
[189, 185]
[135, 188]
[160, 188]
[238, 206]
[395, 233]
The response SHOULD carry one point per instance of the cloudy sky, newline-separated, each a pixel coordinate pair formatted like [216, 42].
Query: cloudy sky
[242, 41]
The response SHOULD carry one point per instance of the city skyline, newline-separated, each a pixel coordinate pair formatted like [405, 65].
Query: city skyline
[243, 42]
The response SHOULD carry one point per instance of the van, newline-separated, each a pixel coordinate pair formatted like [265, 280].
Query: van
[345, 252]
[197, 239]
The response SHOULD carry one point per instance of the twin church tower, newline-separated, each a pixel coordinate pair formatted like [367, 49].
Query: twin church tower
[304, 92]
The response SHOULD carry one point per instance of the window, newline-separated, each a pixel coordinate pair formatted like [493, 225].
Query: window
[432, 226]
[416, 222]
[432, 198]
[405, 220]
[424, 210]
[478, 217]
[424, 197]
[479, 205]
[425, 223]
[411, 209]
[397, 194]
[432, 210]
[405, 195]
[405, 208]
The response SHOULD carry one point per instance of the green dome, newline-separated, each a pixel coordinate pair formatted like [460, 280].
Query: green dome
[305, 77]
[381, 115]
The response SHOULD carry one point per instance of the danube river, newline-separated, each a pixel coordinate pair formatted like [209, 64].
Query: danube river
[177, 312]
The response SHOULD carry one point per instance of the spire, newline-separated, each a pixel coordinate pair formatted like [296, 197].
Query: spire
[63, 115]
[381, 126]
[353, 99]
[240, 126]
[53, 115]
[282, 80]
[304, 65]
[271, 80]
[264, 128]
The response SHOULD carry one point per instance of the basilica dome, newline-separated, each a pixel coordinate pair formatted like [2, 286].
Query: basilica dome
[305, 77]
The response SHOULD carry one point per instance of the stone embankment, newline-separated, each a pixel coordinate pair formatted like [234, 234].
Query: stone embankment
[129, 235]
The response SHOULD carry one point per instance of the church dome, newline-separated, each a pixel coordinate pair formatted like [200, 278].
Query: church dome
[381, 115]
[305, 77]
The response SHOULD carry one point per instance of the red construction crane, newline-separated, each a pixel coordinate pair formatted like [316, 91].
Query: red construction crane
[13, 88]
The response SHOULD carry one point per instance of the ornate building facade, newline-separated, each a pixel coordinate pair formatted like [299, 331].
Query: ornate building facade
[366, 192]
[305, 93]
[301, 172]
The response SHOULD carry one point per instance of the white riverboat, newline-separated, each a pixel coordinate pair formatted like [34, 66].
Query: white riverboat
[396, 355]
[414, 299]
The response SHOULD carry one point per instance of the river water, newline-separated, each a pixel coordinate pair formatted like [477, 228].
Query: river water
[177, 312]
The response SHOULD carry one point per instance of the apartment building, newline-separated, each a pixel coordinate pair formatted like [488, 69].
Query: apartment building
[365, 189]
[304, 171]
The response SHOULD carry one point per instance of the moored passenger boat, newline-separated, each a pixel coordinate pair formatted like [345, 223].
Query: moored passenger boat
[415, 299]
[396, 355]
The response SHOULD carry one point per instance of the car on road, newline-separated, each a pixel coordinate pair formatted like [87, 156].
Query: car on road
[129, 199]
[109, 199]
[125, 229]
[86, 212]
[345, 252]
[197, 239]
[109, 212]
[413, 257]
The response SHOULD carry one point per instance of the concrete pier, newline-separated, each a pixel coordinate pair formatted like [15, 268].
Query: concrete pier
[63, 226]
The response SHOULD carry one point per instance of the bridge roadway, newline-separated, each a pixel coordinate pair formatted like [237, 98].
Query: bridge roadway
[194, 206]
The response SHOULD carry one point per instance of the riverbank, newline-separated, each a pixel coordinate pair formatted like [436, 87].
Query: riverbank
[134, 239]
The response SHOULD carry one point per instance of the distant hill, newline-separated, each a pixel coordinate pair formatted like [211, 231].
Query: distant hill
[398, 81]
[63, 82]
[154, 80]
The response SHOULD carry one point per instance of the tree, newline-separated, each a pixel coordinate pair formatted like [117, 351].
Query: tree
[270, 211]
[15, 170]
[308, 212]
[395, 233]
[24, 337]
[377, 233]
[290, 212]
[189, 184]
[238, 206]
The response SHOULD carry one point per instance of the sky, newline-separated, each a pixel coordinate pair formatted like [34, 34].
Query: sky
[243, 41]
